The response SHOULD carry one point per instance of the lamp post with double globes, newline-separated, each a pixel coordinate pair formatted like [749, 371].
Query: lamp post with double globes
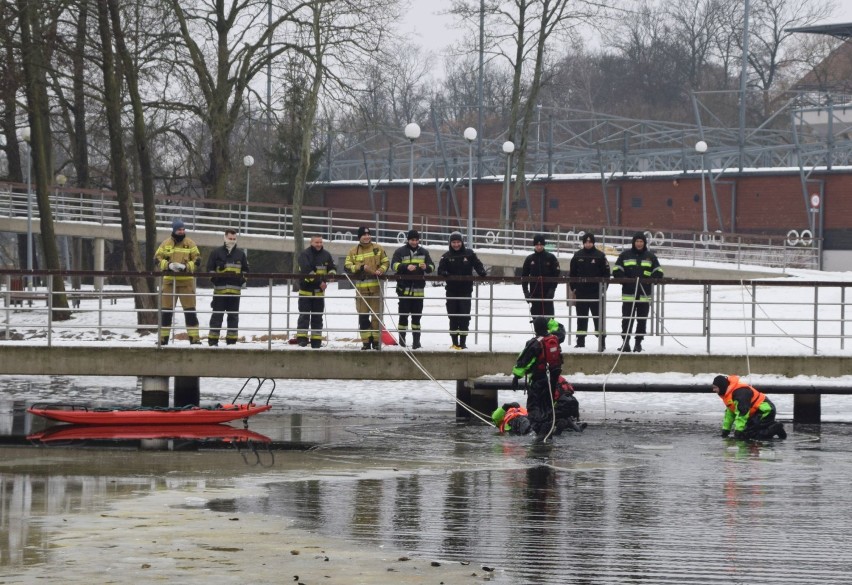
[701, 148]
[508, 149]
[248, 161]
[412, 132]
[470, 136]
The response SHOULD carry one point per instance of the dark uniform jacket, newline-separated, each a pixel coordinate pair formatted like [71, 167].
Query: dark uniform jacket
[404, 257]
[590, 263]
[461, 262]
[635, 264]
[540, 264]
[231, 268]
[315, 266]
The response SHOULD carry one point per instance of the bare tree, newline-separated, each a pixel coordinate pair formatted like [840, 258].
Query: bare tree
[34, 27]
[524, 32]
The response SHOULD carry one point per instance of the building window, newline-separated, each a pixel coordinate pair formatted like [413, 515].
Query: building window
[636, 202]
[554, 203]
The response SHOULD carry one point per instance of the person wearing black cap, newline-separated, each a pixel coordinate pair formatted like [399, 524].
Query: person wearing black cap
[230, 264]
[637, 262]
[178, 257]
[316, 267]
[411, 262]
[538, 266]
[366, 262]
[588, 262]
[459, 261]
[749, 412]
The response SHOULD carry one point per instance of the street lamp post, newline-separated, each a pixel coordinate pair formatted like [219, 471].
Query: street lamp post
[470, 136]
[508, 149]
[412, 132]
[25, 135]
[701, 148]
[248, 161]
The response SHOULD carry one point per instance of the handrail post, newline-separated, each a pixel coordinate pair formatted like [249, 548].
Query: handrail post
[706, 316]
[816, 318]
[269, 323]
[49, 292]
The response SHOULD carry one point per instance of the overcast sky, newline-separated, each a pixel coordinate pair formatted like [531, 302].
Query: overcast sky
[426, 27]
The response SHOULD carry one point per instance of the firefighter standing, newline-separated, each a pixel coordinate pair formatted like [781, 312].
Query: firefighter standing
[230, 264]
[411, 260]
[366, 262]
[177, 258]
[315, 266]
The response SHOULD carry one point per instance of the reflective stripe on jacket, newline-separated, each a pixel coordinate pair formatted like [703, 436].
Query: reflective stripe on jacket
[363, 261]
[184, 252]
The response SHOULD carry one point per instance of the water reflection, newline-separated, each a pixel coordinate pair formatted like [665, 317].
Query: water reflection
[624, 504]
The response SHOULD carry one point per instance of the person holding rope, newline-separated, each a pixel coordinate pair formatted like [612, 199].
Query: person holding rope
[539, 265]
[748, 412]
[411, 260]
[540, 363]
[366, 262]
[637, 262]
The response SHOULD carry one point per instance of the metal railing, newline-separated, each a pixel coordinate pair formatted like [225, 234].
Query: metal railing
[694, 316]
[785, 251]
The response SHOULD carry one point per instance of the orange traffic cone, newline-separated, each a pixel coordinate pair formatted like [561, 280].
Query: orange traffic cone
[387, 338]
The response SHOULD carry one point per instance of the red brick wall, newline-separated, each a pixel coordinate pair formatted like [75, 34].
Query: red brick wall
[770, 204]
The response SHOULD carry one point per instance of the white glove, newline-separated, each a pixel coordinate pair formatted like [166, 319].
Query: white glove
[177, 267]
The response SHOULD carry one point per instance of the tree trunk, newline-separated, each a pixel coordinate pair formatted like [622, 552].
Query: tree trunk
[35, 65]
[112, 108]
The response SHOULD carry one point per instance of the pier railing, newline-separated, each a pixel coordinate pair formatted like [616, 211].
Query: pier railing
[786, 316]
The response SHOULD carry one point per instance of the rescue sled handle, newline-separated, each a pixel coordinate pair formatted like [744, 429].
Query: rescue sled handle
[260, 384]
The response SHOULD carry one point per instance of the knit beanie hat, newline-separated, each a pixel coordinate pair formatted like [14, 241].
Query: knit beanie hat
[456, 236]
[640, 236]
[177, 224]
[539, 239]
[721, 382]
[589, 237]
[363, 231]
[413, 235]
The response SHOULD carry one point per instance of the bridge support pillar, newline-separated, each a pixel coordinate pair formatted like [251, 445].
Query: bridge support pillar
[187, 391]
[806, 409]
[479, 399]
[99, 263]
[155, 391]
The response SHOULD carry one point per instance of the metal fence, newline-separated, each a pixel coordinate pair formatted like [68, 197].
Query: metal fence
[786, 316]
[785, 251]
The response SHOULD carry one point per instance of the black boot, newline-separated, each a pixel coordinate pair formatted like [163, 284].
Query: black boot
[625, 345]
[402, 339]
[302, 341]
[637, 347]
[455, 338]
[416, 344]
[463, 341]
[212, 342]
[366, 345]
[581, 341]
[375, 344]
[779, 430]
[316, 343]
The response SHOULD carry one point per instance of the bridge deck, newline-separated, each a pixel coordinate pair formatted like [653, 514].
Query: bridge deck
[292, 363]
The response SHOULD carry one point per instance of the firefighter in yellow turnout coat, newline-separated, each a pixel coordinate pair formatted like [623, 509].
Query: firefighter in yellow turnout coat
[178, 257]
[365, 262]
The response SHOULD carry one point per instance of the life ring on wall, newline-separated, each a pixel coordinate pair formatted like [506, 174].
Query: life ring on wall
[492, 237]
[400, 237]
[658, 239]
[341, 236]
[806, 238]
[793, 238]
